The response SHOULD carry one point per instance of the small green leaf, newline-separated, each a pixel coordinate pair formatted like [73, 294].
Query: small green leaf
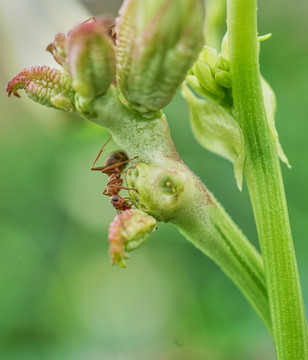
[264, 37]
[217, 131]
[270, 109]
[225, 44]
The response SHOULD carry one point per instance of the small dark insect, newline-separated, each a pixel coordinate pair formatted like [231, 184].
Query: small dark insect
[111, 32]
[113, 167]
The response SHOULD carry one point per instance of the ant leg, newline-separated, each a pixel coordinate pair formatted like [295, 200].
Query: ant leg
[115, 184]
[131, 167]
[105, 192]
[125, 188]
[99, 154]
[129, 201]
[117, 164]
[109, 169]
[91, 19]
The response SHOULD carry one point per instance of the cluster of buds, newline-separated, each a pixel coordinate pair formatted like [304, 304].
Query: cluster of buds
[140, 60]
[145, 55]
[211, 112]
[87, 57]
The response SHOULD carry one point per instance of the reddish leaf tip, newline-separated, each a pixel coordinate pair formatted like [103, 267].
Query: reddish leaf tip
[51, 48]
[18, 82]
[23, 79]
[44, 85]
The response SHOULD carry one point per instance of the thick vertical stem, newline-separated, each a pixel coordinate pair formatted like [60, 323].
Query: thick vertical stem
[263, 176]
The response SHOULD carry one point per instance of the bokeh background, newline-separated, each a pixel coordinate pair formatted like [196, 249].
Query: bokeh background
[60, 298]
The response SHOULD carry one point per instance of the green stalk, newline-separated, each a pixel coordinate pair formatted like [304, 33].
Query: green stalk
[221, 240]
[265, 184]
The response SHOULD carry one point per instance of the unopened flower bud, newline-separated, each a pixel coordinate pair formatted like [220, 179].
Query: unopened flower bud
[91, 58]
[128, 231]
[210, 75]
[161, 190]
[58, 50]
[157, 42]
[211, 119]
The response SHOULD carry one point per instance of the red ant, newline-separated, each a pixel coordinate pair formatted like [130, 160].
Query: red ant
[113, 167]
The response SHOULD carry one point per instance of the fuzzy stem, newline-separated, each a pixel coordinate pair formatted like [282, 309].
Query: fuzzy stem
[199, 217]
[264, 180]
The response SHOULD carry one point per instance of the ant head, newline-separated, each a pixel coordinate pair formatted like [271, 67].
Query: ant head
[114, 199]
[119, 203]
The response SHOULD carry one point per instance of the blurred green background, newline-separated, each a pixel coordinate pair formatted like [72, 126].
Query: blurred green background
[60, 298]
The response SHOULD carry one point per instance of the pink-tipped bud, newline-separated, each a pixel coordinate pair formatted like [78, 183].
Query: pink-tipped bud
[58, 50]
[91, 57]
[129, 230]
[49, 87]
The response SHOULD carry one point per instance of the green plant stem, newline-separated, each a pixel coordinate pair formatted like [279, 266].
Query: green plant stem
[225, 244]
[199, 217]
[264, 180]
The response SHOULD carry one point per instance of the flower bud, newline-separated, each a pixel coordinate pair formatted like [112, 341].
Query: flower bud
[157, 42]
[91, 58]
[128, 231]
[217, 131]
[207, 81]
[58, 50]
[49, 87]
[161, 190]
[210, 75]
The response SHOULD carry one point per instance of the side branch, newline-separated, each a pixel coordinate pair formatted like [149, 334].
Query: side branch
[170, 192]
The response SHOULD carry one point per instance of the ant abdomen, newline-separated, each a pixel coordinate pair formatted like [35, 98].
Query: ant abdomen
[115, 158]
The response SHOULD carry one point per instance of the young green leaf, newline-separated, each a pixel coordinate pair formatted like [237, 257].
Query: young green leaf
[270, 109]
[217, 131]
